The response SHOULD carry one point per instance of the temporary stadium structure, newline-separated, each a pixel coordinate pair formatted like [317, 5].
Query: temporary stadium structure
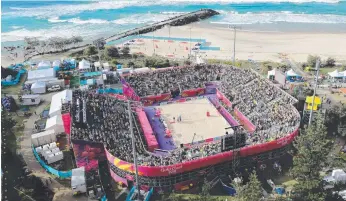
[182, 174]
[57, 101]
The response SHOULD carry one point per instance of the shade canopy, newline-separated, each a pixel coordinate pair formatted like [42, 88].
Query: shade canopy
[38, 87]
[41, 74]
[84, 64]
[291, 73]
[44, 64]
[57, 101]
[336, 74]
[55, 123]
[97, 64]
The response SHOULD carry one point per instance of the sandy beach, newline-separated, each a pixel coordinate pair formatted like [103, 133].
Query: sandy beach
[256, 45]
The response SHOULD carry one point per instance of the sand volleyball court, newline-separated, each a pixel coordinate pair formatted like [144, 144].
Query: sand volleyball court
[194, 120]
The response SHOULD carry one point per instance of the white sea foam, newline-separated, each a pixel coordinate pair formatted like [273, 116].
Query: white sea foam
[273, 17]
[61, 10]
[55, 20]
[16, 27]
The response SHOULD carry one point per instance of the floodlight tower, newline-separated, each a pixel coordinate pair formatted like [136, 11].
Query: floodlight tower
[234, 27]
[134, 149]
[317, 69]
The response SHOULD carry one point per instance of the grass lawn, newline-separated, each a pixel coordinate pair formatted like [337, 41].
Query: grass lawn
[326, 70]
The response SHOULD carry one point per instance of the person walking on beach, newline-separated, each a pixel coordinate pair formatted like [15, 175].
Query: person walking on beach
[179, 118]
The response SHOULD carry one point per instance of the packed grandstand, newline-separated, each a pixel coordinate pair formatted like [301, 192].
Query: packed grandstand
[104, 118]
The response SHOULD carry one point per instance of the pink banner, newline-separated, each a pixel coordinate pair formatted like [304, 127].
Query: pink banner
[66, 118]
[148, 131]
[117, 178]
[244, 120]
[149, 100]
[202, 162]
[223, 98]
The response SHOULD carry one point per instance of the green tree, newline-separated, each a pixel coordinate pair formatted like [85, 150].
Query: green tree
[312, 60]
[336, 120]
[204, 195]
[252, 191]
[114, 62]
[91, 50]
[125, 51]
[330, 62]
[130, 64]
[111, 52]
[7, 123]
[281, 198]
[312, 152]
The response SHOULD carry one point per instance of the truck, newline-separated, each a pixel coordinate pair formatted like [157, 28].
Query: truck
[78, 181]
[30, 99]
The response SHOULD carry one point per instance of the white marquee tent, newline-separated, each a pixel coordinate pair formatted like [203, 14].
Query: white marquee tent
[44, 65]
[57, 101]
[97, 64]
[41, 74]
[84, 65]
[336, 74]
[55, 123]
[38, 87]
[271, 73]
[106, 65]
[291, 73]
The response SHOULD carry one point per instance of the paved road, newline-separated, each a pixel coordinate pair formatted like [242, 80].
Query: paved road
[61, 192]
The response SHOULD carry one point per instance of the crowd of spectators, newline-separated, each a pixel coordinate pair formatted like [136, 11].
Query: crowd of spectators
[105, 119]
[102, 118]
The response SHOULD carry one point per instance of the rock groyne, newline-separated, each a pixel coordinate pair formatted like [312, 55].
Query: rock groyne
[174, 21]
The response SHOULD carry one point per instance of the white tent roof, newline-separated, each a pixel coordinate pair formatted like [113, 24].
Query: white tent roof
[272, 72]
[291, 73]
[55, 123]
[106, 65]
[97, 64]
[84, 64]
[41, 74]
[38, 85]
[58, 99]
[56, 63]
[44, 64]
[78, 176]
[335, 74]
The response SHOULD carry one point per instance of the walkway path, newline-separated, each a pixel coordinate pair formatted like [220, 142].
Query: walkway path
[61, 192]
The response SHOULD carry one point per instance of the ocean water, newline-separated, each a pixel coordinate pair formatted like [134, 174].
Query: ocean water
[92, 19]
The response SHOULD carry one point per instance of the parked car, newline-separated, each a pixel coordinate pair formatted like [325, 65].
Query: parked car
[54, 88]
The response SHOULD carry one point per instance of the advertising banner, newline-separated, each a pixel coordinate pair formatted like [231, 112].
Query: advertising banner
[147, 130]
[128, 91]
[244, 120]
[156, 171]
